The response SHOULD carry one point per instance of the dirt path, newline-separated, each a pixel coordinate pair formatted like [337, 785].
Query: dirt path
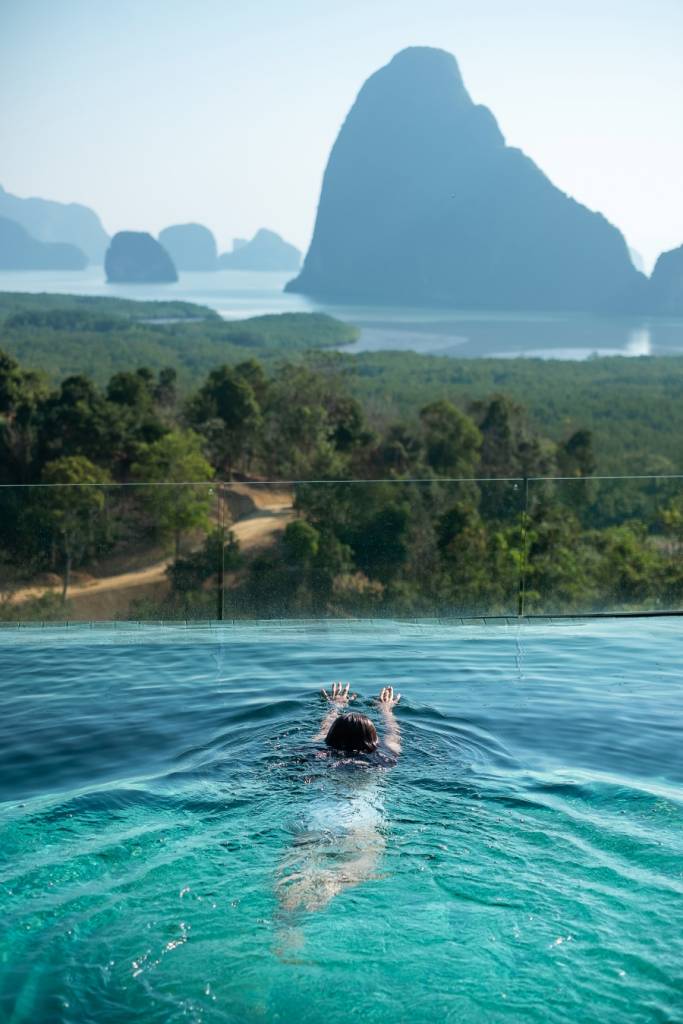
[265, 515]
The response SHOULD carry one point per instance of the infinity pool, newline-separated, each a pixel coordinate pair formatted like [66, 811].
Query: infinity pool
[171, 849]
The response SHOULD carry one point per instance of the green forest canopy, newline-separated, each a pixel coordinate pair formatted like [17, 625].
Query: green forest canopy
[62, 335]
[633, 406]
[459, 541]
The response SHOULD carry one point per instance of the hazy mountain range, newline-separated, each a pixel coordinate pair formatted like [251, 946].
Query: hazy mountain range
[422, 203]
[20, 251]
[38, 222]
[48, 221]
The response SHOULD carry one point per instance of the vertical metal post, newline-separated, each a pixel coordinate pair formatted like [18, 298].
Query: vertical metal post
[220, 603]
[522, 570]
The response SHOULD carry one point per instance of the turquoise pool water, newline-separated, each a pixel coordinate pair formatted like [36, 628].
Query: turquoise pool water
[171, 849]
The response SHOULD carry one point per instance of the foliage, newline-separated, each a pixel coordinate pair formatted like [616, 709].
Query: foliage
[632, 407]
[504, 538]
[70, 335]
[177, 504]
[226, 411]
[42, 304]
[22, 393]
[71, 508]
[452, 442]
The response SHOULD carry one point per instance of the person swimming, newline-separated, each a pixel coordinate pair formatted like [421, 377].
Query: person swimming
[340, 840]
[354, 733]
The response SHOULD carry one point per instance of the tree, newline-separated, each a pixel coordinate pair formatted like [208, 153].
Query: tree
[72, 507]
[671, 517]
[399, 452]
[226, 411]
[78, 420]
[298, 576]
[463, 545]
[22, 393]
[165, 392]
[629, 568]
[131, 389]
[576, 457]
[380, 541]
[509, 448]
[182, 499]
[253, 373]
[301, 542]
[313, 427]
[452, 441]
[560, 560]
[219, 554]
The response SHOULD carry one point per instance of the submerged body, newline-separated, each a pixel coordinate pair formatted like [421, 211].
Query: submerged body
[339, 842]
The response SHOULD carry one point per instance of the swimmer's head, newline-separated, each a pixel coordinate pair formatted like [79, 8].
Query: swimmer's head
[353, 733]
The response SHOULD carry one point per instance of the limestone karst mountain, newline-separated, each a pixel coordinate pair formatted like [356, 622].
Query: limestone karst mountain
[134, 257]
[190, 246]
[666, 284]
[265, 251]
[423, 202]
[19, 251]
[50, 221]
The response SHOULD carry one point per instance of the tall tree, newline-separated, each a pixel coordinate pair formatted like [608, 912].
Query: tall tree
[182, 499]
[22, 393]
[72, 508]
[452, 441]
[78, 420]
[227, 413]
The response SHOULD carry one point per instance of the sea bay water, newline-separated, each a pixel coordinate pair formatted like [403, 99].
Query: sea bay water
[173, 849]
[238, 294]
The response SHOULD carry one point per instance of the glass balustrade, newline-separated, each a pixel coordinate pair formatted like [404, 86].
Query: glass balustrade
[391, 548]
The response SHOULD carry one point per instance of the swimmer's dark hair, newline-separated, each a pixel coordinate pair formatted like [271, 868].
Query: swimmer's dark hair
[353, 733]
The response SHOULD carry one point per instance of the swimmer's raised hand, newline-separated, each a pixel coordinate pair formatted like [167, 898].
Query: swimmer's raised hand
[340, 694]
[387, 699]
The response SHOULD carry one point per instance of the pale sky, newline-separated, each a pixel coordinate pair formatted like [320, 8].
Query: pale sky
[157, 112]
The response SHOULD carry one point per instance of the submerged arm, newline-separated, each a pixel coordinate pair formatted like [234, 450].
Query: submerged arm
[337, 699]
[392, 735]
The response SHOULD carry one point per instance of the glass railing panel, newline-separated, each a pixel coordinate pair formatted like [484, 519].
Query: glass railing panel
[79, 553]
[374, 549]
[388, 548]
[604, 545]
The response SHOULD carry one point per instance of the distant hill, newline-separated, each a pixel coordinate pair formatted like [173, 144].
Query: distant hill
[265, 251]
[43, 306]
[19, 251]
[424, 203]
[666, 283]
[70, 334]
[190, 246]
[50, 221]
[134, 257]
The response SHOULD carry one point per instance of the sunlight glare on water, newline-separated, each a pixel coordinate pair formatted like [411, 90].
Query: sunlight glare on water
[172, 849]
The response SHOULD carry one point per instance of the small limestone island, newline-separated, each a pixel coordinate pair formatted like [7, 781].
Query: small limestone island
[190, 246]
[265, 251]
[20, 251]
[49, 221]
[424, 203]
[666, 284]
[134, 257]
